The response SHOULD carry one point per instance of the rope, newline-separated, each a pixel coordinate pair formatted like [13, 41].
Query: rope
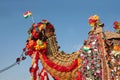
[18, 60]
[8, 67]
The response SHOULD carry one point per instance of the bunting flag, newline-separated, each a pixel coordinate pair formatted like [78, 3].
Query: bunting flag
[27, 14]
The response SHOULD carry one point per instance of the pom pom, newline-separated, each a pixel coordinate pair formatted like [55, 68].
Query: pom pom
[93, 20]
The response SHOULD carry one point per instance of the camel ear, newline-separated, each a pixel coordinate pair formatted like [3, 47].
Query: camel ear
[101, 24]
[50, 27]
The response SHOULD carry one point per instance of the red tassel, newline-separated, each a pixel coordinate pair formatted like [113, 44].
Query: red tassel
[43, 75]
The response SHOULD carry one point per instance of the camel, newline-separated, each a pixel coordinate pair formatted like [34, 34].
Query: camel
[81, 65]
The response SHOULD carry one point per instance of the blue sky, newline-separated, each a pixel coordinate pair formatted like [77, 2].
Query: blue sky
[70, 18]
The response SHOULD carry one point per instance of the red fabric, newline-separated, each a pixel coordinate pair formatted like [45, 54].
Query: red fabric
[34, 68]
[58, 67]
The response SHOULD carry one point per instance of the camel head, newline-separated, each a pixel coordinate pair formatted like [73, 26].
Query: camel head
[41, 30]
[38, 35]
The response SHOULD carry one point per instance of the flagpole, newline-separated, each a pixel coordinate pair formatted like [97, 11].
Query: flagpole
[28, 14]
[32, 19]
